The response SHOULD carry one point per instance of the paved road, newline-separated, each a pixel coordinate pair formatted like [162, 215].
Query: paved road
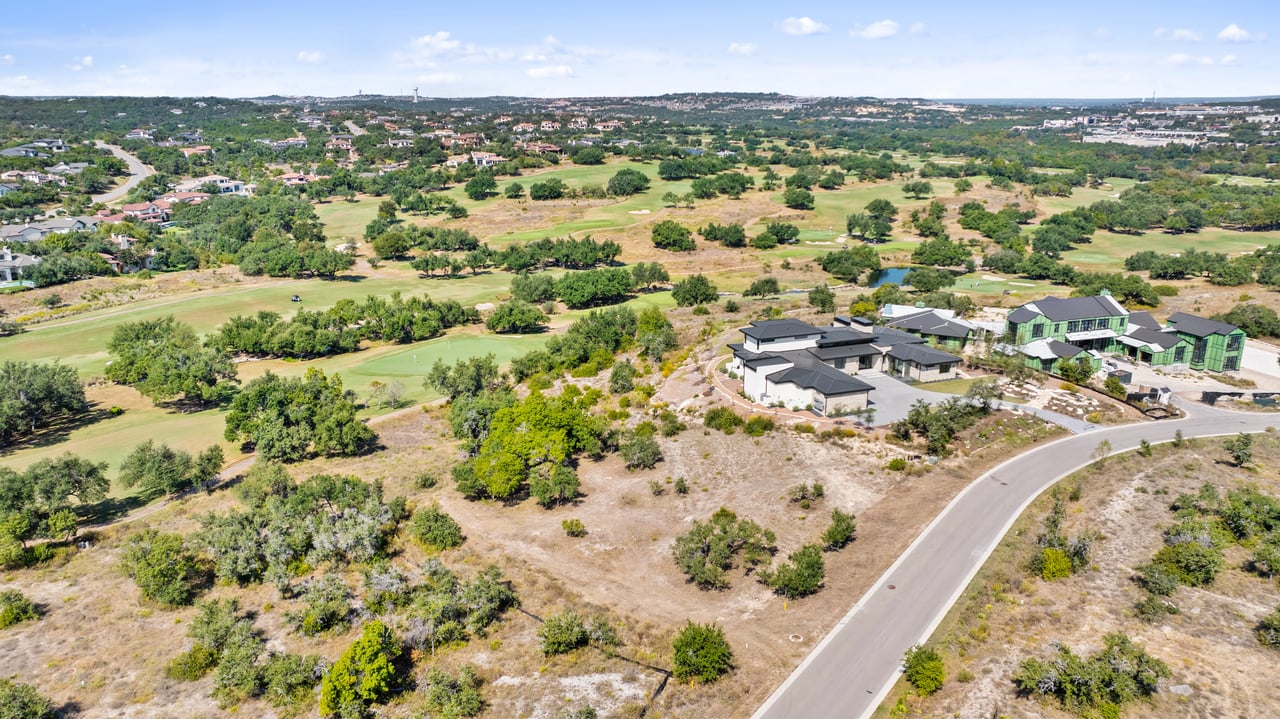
[138, 173]
[848, 674]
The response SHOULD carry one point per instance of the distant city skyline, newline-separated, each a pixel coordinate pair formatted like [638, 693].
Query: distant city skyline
[927, 49]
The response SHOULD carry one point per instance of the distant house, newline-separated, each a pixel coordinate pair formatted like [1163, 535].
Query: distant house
[549, 125]
[538, 148]
[608, 125]
[138, 134]
[22, 151]
[14, 264]
[189, 152]
[39, 230]
[486, 159]
[523, 127]
[67, 168]
[7, 187]
[283, 144]
[225, 185]
[579, 123]
[157, 211]
[179, 198]
[455, 160]
[399, 142]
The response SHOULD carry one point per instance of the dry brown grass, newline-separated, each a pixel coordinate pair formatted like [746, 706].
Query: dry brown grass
[1006, 615]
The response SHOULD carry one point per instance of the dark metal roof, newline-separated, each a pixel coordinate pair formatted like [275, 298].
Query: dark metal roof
[1060, 309]
[845, 351]
[1143, 318]
[923, 355]
[764, 360]
[1062, 349]
[833, 336]
[812, 374]
[779, 329]
[931, 323]
[1199, 326]
[888, 336]
[1166, 340]
[1022, 314]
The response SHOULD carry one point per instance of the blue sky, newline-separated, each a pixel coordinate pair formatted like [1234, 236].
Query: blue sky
[887, 49]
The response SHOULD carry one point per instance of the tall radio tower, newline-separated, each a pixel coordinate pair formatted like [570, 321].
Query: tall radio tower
[415, 96]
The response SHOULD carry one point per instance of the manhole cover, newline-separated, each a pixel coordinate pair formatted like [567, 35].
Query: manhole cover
[1004, 484]
[796, 638]
[893, 586]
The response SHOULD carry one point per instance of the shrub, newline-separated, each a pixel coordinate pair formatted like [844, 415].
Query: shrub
[924, 669]
[706, 551]
[622, 378]
[288, 679]
[161, 567]
[723, 419]
[1152, 609]
[897, 464]
[326, 604]
[238, 676]
[1268, 630]
[1193, 563]
[453, 698]
[14, 608]
[557, 486]
[1054, 564]
[800, 576]
[681, 486]
[842, 530]
[562, 633]
[362, 675]
[1118, 674]
[435, 529]
[640, 451]
[574, 527]
[192, 664]
[22, 701]
[758, 425]
[701, 653]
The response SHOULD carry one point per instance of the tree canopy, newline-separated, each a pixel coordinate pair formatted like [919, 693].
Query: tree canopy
[163, 359]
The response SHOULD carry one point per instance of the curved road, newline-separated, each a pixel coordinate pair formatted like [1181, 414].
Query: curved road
[849, 673]
[137, 173]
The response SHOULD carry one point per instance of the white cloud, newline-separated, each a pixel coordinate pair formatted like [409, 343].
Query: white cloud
[550, 71]
[81, 64]
[876, 30]
[1184, 35]
[1182, 58]
[801, 26]
[437, 78]
[1235, 33]
[6, 59]
[1229, 60]
[425, 50]
[742, 48]
[551, 40]
[916, 28]
[311, 57]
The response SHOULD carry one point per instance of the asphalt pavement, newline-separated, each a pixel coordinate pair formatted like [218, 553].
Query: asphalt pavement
[848, 674]
[137, 171]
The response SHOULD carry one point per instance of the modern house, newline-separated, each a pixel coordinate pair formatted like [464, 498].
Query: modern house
[225, 185]
[1050, 330]
[794, 364]
[40, 230]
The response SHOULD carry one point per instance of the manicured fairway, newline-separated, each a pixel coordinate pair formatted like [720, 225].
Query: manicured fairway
[81, 342]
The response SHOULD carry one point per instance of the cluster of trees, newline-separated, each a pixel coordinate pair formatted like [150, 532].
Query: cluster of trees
[1262, 266]
[939, 424]
[671, 235]
[731, 184]
[849, 263]
[1120, 673]
[595, 287]
[875, 224]
[1255, 320]
[164, 360]
[41, 501]
[340, 328]
[323, 519]
[589, 345]
[1003, 226]
[709, 549]
[291, 418]
[686, 168]
[34, 395]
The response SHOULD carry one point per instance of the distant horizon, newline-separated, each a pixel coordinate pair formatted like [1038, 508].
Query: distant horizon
[1009, 100]
[930, 49]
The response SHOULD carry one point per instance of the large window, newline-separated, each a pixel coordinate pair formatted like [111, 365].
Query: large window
[1197, 355]
[1098, 323]
[1037, 331]
[1180, 354]
[1234, 342]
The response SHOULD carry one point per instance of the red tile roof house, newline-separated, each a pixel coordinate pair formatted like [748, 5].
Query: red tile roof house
[157, 211]
[187, 152]
[180, 198]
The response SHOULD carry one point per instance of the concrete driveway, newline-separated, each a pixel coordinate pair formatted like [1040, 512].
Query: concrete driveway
[137, 173]
[892, 400]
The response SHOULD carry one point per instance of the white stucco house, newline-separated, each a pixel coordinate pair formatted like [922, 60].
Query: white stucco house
[797, 365]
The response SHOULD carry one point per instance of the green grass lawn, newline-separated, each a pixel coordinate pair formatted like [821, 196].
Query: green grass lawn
[1108, 250]
[82, 344]
[1083, 197]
